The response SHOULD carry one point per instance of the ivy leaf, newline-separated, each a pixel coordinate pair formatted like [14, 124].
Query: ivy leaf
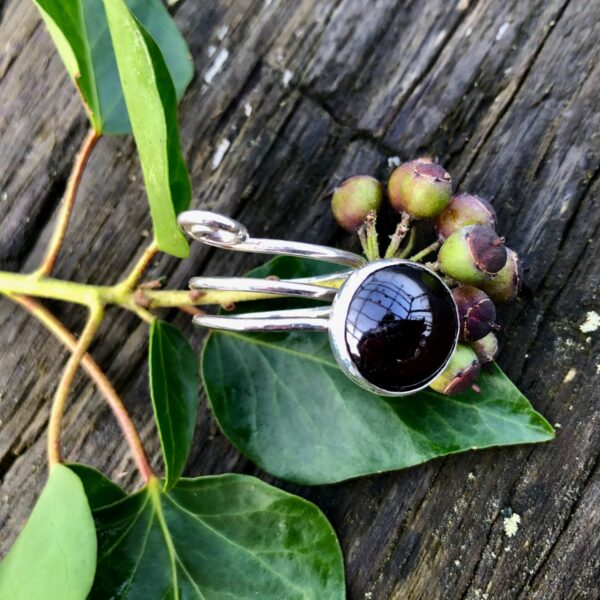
[225, 537]
[152, 106]
[282, 400]
[99, 490]
[80, 33]
[174, 387]
[54, 556]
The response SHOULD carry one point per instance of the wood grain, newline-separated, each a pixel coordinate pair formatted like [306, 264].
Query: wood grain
[505, 94]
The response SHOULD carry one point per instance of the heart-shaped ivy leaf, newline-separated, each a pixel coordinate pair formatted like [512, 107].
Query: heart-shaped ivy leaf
[54, 556]
[225, 537]
[152, 106]
[282, 400]
[174, 387]
[99, 490]
[80, 32]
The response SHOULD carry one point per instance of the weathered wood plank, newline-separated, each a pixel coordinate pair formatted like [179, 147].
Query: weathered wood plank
[312, 91]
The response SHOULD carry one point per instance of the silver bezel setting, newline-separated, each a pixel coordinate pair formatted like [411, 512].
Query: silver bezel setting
[339, 314]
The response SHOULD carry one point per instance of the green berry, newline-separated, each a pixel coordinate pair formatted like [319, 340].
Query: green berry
[486, 348]
[354, 199]
[473, 254]
[463, 210]
[420, 188]
[507, 283]
[460, 374]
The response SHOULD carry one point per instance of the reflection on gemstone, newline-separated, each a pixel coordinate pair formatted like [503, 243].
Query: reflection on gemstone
[401, 327]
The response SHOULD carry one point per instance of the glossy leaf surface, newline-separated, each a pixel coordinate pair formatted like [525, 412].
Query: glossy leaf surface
[80, 32]
[99, 490]
[229, 537]
[152, 106]
[54, 556]
[174, 387]
[282, 400]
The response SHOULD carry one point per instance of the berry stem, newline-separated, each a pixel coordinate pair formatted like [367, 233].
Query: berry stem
[66, 209]
[412, 236]
[134, 276]
[372, 245]
[105, 387]
[426, 251]
[396, 239]
[62, 391]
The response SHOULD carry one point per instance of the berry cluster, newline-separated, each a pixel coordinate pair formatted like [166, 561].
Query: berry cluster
[472, 257]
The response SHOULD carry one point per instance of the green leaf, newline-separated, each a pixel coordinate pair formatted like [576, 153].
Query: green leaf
[99, 490]
[229, 537]
[174, 386]
[282, 400]
[152, 106]
[80, 33]
[54, 557]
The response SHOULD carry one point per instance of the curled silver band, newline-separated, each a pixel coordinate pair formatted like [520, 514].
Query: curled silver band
[300, 319]
[224, 232]
[264, 286]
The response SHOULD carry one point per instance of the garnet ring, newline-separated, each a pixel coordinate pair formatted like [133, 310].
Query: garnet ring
[393, 324]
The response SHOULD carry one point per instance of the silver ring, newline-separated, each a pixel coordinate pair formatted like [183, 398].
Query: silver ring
[223, 232]
[393, 324]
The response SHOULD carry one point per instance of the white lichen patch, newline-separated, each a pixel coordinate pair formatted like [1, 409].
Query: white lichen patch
[247, 109]
[591, 323]
[287, 77]
[571, 373]
[217, 65]
[471, 477]
[501, 31]
[219, 154]
[511, 525]
[222, 32]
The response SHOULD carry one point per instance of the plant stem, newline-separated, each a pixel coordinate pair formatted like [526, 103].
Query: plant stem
[60, 229]
[102, 382]
[372, 244]
[428, 250]
[396, 239]
[62, 392]
[131, 281]
[409, 244]
[56, 289]
[90, 295]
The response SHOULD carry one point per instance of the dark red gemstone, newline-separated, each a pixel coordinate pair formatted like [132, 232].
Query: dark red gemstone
[401, 327]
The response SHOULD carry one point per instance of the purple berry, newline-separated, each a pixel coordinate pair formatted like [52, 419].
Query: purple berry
[420, 188]
[463, 210]
[476, 311]
[354, 199]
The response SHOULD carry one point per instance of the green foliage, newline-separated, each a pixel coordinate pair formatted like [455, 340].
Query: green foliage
[80, 32]
[229, 536]
[152, 105]
[174, 386]
[282, 400]
[100, 490]
[54, 557]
